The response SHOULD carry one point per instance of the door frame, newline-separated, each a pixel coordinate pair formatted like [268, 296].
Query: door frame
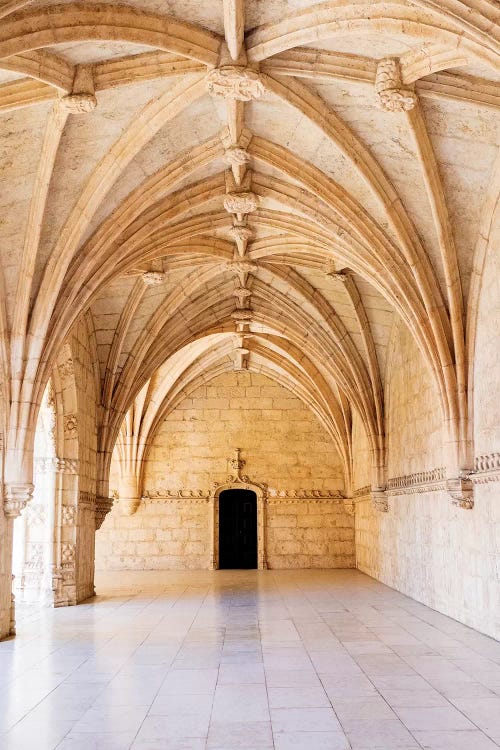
[260, 491]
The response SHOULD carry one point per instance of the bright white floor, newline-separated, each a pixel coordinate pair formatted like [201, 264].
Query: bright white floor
[316, 660]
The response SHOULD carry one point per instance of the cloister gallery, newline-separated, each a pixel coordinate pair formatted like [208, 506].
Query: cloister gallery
[249, 374]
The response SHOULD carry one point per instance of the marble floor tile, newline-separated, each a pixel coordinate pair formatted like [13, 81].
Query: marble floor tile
[247, 660]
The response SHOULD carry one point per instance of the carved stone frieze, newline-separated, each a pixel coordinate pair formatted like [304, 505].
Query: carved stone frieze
[362, 491]
[392, 96]
[305, 494]
[235, 82]
[68, 555]
[16, 496]
[433, 480]
[68, 515]
[86, 501]
[71, 425]
[486, 469]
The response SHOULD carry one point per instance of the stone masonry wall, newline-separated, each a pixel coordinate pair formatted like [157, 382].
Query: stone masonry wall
[426, 547]
[309, 534]
[283, 445]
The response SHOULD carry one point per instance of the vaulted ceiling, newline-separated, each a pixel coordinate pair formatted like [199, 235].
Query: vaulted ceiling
[244, 184]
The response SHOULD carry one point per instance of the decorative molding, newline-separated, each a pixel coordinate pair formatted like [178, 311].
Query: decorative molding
[391, 95]
[487, 469]
[362, 491]
[235, 82]
[303, 494]
[433, 480]
[86, 500]
[54, 464]
[182, 494]
[16, 497]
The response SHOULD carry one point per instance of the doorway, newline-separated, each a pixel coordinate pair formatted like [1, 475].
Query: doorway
[237, 529]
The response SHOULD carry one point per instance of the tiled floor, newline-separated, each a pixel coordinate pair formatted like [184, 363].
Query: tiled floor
[309, 660]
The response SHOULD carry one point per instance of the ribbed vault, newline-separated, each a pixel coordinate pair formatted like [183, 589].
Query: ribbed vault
[238, 190]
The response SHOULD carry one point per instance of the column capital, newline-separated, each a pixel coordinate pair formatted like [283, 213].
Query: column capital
[16, 497]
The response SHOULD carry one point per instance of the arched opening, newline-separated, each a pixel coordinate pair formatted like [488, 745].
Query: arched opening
[237, 529]
[33, 542]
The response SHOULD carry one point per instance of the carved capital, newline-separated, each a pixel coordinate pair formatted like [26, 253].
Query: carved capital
[391, 95]
[102, 507]
[461, 490]
[379, 500]
[235, 82]
[16, 497]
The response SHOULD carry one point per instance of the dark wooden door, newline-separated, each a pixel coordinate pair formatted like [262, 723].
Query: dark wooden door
[237, 529]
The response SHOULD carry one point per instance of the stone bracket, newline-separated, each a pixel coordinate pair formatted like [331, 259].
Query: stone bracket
[380, 500]
[461, 490]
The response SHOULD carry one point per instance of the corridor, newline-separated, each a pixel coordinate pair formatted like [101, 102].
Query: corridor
[230, 660]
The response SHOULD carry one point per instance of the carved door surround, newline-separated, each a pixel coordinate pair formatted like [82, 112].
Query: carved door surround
[239, 481]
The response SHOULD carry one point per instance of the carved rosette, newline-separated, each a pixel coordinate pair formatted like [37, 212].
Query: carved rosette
[102, 507]
[236, 157]
[79, 104]
[235, 82]
[153, 278]
[241, 204]
[16, 497]
[391, 95]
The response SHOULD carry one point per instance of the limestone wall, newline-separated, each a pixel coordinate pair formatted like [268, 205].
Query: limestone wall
[284, 446]
[309, 534]
[442, 555]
